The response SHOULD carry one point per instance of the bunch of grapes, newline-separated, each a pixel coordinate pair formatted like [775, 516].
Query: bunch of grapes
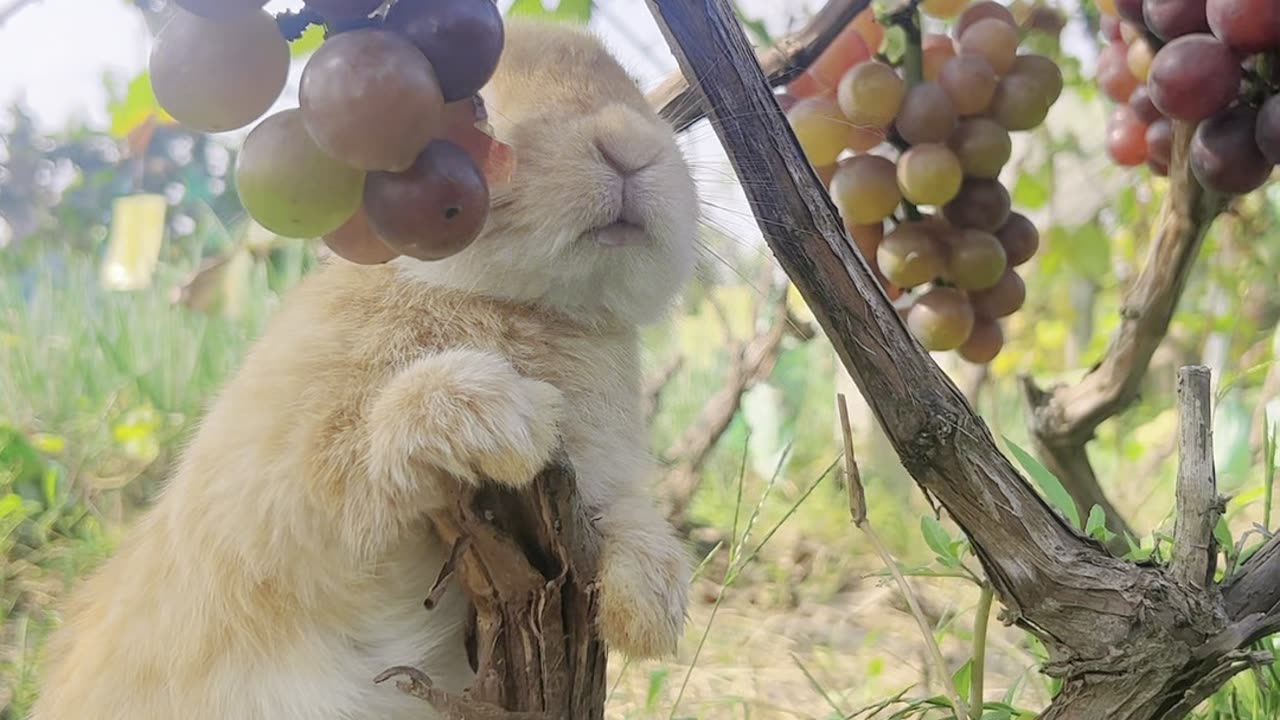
[387, 153]
[1208, 63]
[912, 151]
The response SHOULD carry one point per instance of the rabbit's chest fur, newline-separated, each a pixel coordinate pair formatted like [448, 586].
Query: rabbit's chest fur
[247, 602]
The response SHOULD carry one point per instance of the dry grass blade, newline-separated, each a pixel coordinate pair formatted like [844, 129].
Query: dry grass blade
[858, 512]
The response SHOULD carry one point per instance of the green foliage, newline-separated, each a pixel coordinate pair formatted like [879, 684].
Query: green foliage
[46, 534]
[1096, 525]
[60, 188]
[1052, 488]
[574, 10]
[137, 106]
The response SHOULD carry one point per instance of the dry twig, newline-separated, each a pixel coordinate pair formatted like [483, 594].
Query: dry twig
[750, 362]
[657, 384]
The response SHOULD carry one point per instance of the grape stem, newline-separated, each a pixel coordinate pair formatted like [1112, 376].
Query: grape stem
[907, 17]
[912, 212]
[293, 23]
[1265, 72]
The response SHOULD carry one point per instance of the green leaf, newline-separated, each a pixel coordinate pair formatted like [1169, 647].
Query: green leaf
[10, 504]
[136, 107]
[48, 443]
[1090, 251]
[20, 461]
[755, 26]
[894, 44]
[1222, 534]
[576, 10]
[1032, 189]
[1096, 526]
[310, 41]
[1136, 553]
[1054, 492]
[657, 680]
[962, 678]
[938, 539]
[51, 486]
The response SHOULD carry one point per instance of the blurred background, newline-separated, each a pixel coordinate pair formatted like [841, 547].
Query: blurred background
[131, 283]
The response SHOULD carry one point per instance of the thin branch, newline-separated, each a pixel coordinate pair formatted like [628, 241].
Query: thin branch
[413, 681]
[941, 441]
[1199, 506]
[1075, 411]
[657, 384]
[1209, 683]
[683, 106]
[749, 364]
[853, 476]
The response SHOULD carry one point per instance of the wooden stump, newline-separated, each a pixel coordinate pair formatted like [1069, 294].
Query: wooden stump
[528, 562]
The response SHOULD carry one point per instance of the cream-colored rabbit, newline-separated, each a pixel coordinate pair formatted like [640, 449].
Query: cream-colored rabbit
[287, 562]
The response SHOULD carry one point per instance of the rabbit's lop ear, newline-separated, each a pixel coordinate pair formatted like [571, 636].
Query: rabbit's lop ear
[599, 219]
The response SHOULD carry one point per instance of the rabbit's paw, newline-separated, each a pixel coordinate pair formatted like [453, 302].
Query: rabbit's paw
[468, 413]
[644, 598]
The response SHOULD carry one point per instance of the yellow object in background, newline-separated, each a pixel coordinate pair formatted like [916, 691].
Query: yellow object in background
[137, 231]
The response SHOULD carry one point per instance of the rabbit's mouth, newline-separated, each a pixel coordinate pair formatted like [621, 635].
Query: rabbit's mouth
[619, 233]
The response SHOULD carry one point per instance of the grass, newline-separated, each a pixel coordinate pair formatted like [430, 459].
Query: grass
[794, 615]
[97, 394]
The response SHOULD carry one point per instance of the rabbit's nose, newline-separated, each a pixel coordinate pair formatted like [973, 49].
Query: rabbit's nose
[625, 157]
[626, 140]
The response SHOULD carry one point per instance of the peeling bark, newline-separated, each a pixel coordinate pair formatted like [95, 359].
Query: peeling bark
[528, 561]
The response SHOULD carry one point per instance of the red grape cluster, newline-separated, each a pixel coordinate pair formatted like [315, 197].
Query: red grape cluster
[918, 145]
[1208, 63]
[386, 154]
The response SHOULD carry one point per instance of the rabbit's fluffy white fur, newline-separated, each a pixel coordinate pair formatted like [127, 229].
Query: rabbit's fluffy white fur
[286, 563]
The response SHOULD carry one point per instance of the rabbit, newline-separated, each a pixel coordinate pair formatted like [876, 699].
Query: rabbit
[286, 561]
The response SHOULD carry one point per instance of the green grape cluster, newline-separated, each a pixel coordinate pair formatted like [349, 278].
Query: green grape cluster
[912, 150]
